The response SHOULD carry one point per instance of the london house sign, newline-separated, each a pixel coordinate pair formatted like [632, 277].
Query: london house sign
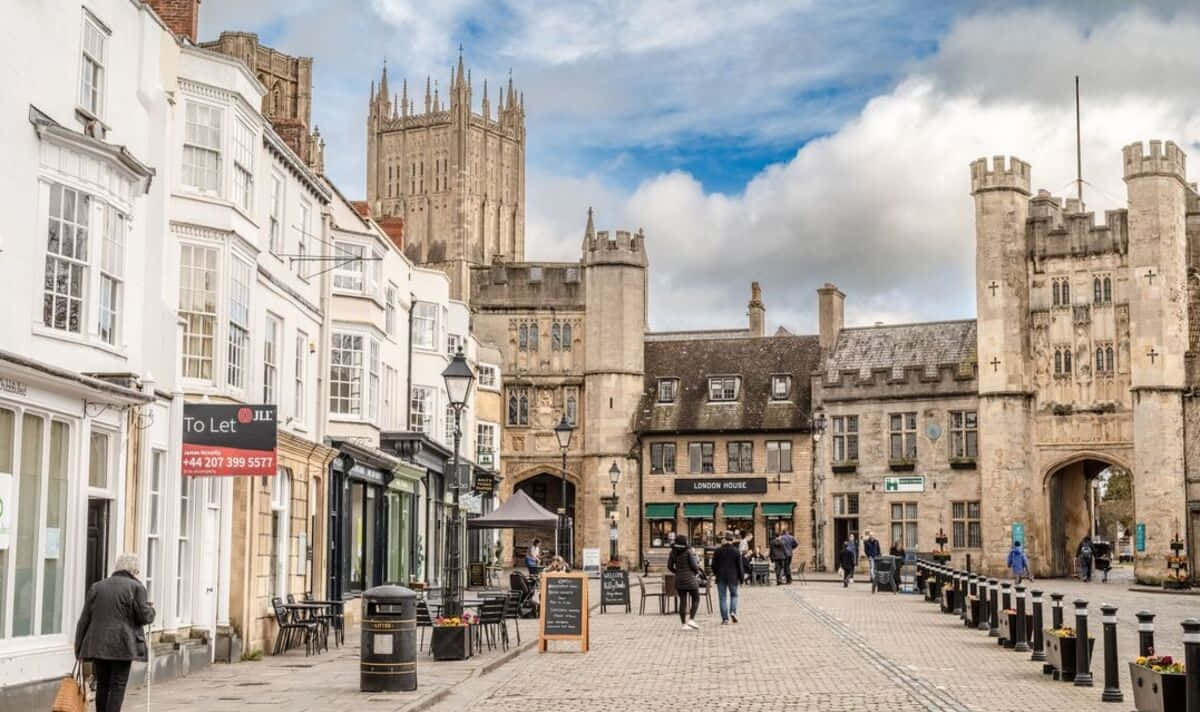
[720, 485]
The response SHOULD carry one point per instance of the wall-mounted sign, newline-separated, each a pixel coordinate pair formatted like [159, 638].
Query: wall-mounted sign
[1139, 536]
[485, 483]
[909, 483]
[1018, 533]
[228, 439]
[485, 458]
[6, 506]
[720, 485]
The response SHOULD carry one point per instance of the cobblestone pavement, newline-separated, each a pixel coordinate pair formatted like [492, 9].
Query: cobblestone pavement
[801, 647]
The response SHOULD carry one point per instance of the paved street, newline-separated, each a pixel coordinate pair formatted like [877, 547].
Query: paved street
[815, 646]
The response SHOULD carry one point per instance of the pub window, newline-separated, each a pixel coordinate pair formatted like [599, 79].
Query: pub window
[904, 524]
[781, 386]
[964, 434]
[700, 458]
[702, 532]
[740, 457]
[723, 388]
[518, 406]
[666, 389]
[845, 438]
[662, 458]
[968, 533]
[779, 455]
[903, 436]
[660, 531]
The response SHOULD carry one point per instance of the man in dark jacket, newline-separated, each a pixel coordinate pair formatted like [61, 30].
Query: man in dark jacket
[846, 561]
[110, 631]
[871, 551]
[779, 557]
[728, 570]
[789, 545]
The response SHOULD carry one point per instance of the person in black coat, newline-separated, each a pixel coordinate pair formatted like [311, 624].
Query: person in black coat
[846, 561]
[110, 632]
[779, 555]
[682, 562]
[728, 570]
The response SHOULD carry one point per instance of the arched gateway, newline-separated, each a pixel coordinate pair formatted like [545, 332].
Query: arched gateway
[1072, 507]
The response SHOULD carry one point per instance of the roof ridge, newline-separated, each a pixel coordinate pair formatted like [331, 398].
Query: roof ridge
[911, 323]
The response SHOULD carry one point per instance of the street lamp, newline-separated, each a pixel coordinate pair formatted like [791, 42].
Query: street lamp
[614, 476]
[563, 431]
[459, 378]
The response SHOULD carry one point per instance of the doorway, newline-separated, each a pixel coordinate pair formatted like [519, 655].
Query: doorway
[1073, 507]
[843, 529]
[97, 542]
[547, 490]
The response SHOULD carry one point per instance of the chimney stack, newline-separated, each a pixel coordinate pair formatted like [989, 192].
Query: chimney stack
[831, 314]
[182, 16]
[758, 312]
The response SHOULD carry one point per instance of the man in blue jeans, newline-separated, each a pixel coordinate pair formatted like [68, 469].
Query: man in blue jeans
[727, 568]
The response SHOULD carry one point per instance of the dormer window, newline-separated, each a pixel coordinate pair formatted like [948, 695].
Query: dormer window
[667, 388]
[723, 388]
[781, 387]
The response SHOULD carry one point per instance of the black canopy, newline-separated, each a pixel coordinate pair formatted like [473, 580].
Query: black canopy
[518, 511]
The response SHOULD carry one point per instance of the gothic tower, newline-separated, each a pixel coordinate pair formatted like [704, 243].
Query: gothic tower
[455, 176]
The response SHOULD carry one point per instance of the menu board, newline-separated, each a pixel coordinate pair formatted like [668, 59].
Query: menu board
[564, 609]
[614, 589]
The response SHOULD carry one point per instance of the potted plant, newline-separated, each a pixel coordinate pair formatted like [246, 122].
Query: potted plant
[1060, 651]
[1008, 623]
[452, 637]
[1158, 684]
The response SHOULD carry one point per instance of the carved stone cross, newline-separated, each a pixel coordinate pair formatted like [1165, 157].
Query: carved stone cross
[1150, 276]
[993, 286]
[995, 364]
[1152, 353]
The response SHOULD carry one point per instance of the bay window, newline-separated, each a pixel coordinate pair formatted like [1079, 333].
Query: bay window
[270, 383]
[112, 261]
[345, 376]
[348, 274]
[240, 276]
[198, 308]
[243, 165]
[202, 148]
[421, 411]
[424, 319]
[66, 272]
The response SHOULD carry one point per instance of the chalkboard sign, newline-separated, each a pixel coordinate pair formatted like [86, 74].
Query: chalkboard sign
[564, 611]
[614, 589]
[477, 574]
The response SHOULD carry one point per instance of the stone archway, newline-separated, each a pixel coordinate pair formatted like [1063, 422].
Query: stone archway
[546, 487]
[1070, 506]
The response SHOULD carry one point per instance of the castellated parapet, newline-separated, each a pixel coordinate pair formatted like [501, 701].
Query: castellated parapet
[1055, 231]
[622, 247]
[1163, 160]
[1013, 175]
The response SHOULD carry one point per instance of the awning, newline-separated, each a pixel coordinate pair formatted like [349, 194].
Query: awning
[699, 511]
[740, 510]
[518, 511]
[660, 511]
[778, 509]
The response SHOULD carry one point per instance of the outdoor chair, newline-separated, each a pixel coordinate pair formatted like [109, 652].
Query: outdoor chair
[706, 591]
[491, 623]
[760, 572]
[290, 631]
[512, 609]
[334, 619]
[424, 620]
[527, 608]
[800, 572]
[658, 593]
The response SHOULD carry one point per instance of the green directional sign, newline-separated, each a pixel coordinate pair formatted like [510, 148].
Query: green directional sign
[909, 483]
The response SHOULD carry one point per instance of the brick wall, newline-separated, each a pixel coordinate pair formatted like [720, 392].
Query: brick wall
[180, 15]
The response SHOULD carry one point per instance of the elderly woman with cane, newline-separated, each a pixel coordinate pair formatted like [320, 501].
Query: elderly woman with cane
[110, 632]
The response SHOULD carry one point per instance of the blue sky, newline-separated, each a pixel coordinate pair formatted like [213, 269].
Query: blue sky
[791, 142]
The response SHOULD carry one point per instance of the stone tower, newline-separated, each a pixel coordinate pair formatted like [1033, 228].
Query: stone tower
[1158, 307]
[1002, 297]
[455, 176]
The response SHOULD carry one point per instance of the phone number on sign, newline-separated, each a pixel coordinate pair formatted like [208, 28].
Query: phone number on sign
[231, 462]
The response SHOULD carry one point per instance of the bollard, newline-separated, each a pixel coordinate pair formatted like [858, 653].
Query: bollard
[968, 563]
[1083, 663]
[960, 592]
[983, 604]
[972, 592]
[993, 609]
[1145, 633]
[1021, 644]
[1005, 605]
[1039, 640]
[1056, 610]
[1112, 679]
[1191, 663]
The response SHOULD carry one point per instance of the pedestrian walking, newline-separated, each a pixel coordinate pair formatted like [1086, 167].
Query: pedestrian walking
[779, 558]
[871, 551]
[728, 571]
[1019, 563]
[682, 562]
[846, 562]
[533, 557]
[110, 630]
[897, 550]
[789, 544]
[1084, 554]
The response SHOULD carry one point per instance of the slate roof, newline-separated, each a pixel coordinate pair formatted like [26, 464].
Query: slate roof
[755, 359]
[902, 346]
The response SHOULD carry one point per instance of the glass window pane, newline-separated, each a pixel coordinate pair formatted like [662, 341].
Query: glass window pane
[910, 510]
[28, 506]
[356, 527]
[56, 520]
[897, 511]
[7, 443]
[98, 461]
[369, 541]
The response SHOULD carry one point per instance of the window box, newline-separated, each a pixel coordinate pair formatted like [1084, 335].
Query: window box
[845, 466]
[902, 464]
[962, 463]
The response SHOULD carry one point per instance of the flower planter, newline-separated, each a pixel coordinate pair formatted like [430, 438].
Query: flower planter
[948, 594]
[978, 611]
[1157, 691]
[1060, 655]
[451, 642]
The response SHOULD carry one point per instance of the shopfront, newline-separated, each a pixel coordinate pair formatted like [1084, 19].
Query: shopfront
[360, 518]
[701, 523]
[779, 517]
[660, 523]
[739, 517]
[402, 530]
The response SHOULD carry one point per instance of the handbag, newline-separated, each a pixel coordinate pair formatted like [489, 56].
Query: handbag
[71, 696]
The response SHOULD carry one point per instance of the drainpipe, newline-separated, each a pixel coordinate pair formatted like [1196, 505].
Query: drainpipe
[412, 301]
[640, 506]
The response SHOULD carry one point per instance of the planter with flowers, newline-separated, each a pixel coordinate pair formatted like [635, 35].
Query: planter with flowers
[452, 637]
[1158, 684]
[1008, 627]
[1060, 651]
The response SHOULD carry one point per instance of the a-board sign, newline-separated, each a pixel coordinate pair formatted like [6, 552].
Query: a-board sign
[476, 574]
[564, 613]
[614, 589]
[228, 439]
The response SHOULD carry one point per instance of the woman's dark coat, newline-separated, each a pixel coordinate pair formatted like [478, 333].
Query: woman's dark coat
[110, 627]
[686, 568]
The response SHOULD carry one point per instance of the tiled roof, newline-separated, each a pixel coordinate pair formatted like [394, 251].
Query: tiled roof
[754, 359]
[902, 346]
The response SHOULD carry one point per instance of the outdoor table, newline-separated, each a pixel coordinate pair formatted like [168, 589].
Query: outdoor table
[307, 611]
[338, 610]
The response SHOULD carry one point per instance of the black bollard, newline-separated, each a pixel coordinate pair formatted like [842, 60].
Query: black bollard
[1005, 606]
[972, 592]
[1083, 663]
[1145, 633]
[1112, 679]
[993, 608]
[1039, 639]
[984, 608]
[1020, 641]
[1056, 611]
[1191, 663]
[960, 592]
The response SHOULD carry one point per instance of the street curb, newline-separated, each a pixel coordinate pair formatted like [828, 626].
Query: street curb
[1147, 589]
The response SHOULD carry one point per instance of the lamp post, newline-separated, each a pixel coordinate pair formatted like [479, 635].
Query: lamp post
[564, 537]
[459, 378]
[614, 476]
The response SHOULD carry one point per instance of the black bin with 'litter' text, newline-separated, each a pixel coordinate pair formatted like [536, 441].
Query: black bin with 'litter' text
[388, 650]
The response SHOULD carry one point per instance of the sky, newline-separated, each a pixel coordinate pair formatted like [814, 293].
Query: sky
[793, 142]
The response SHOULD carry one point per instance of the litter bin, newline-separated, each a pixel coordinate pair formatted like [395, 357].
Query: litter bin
[388, 647]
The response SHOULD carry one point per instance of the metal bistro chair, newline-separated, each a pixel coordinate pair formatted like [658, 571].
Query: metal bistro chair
[491, 622]
[800, 572]
[512, 609]
[706, 591]
[760, 572]
[334, 620]
[288, 629]
[660, 594]
[424, 620]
